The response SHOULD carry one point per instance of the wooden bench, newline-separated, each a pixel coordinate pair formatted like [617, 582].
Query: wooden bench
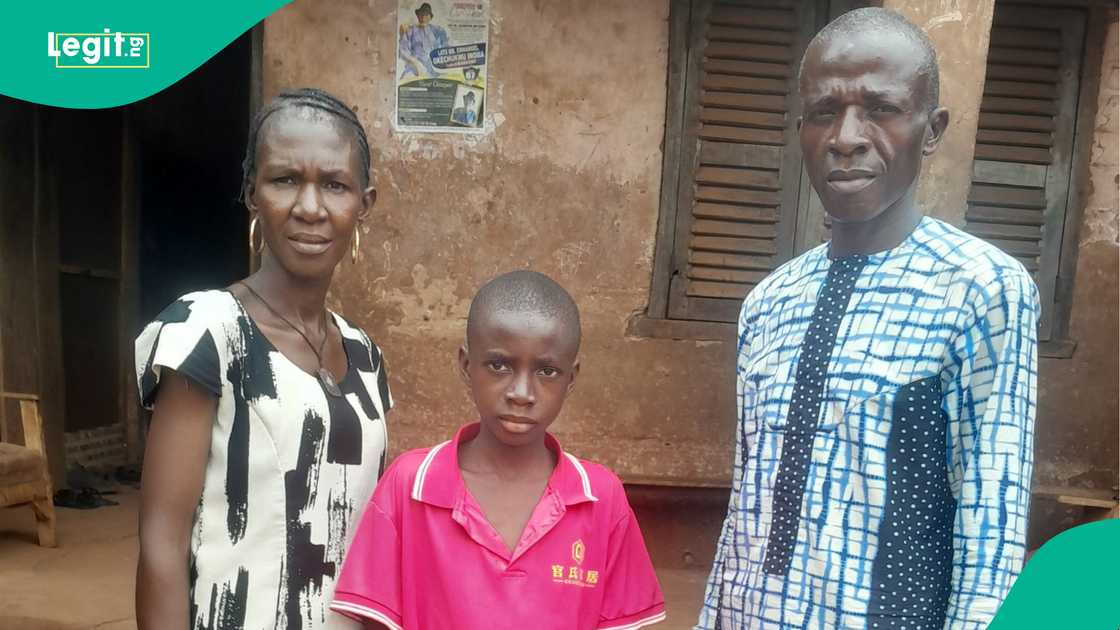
[1099, 504]
[24, 477]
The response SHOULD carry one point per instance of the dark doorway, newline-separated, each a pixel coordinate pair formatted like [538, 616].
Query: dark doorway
[83, 153]
[190, 139]
[148, 211]
[108, 216]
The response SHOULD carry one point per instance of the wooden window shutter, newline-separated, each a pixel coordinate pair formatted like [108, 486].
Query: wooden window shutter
[1024, 141]
[740, 161]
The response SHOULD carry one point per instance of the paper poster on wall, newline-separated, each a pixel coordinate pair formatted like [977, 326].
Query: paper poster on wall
[441, 65]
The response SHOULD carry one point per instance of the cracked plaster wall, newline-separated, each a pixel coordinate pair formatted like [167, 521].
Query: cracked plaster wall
[565, 181]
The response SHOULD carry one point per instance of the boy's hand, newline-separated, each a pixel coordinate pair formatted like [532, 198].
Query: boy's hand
[341, 622]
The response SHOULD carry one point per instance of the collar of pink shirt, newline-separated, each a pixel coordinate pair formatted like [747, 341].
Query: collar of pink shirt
[439, 482]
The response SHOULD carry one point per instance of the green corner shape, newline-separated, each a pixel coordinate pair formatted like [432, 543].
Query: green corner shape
[172, 39]
[1071, 583]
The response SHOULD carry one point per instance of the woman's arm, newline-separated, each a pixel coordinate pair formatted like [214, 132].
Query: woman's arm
[174, 468]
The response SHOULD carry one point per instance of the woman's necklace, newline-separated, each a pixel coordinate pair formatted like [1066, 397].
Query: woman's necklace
[325, 376]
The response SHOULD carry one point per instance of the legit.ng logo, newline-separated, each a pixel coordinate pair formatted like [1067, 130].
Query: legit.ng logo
[106, 50]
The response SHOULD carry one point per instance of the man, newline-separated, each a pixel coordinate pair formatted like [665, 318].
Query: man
[465, 115]
[417, 42]
[886, 380]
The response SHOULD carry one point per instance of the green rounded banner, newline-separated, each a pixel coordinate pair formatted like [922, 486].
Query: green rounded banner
[1072, 582]
[103, 54]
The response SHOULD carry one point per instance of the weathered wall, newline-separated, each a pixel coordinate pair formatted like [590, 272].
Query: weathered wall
[1078, 431]
[19, 361]
[567, 183]
[1101, 225]
[950, 24]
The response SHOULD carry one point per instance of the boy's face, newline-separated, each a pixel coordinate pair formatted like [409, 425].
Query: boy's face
[519, 367]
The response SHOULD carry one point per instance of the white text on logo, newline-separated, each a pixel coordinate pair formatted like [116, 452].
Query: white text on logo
[99, 50]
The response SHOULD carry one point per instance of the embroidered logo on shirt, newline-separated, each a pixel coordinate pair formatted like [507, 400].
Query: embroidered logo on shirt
[577, 551]
[575, 575]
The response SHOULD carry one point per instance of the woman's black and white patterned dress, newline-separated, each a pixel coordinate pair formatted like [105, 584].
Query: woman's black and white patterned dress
[290, 467]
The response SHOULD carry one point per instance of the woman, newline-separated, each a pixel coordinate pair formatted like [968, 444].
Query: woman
[268, 424]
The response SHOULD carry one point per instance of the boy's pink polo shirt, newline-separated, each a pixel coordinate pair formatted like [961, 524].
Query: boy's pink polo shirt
[425, 558]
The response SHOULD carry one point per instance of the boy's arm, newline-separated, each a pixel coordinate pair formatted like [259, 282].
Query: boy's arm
[991, 406]
[346, 623]
[369, 587]
[632, 597]
[709, 612]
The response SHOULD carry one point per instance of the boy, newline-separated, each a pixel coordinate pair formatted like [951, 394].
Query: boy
[499, 528]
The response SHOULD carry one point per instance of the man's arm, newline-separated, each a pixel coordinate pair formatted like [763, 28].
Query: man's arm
[991, 405]
[710, 612]
[404, 48]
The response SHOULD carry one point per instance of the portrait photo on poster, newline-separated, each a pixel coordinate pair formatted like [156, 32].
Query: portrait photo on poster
[468, 102]
[441, 65]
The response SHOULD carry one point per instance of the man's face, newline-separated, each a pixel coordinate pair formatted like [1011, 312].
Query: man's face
[865, 123]
[424, 18]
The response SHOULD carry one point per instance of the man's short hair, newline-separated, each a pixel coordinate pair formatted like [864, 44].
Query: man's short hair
[880, 20]
[526, 292]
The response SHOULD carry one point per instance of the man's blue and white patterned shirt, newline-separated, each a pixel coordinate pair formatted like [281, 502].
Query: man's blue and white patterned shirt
[884, 444]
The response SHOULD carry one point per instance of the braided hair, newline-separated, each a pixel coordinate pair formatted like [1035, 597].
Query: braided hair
[312, 98]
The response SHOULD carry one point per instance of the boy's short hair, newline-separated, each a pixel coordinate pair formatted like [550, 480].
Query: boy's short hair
[526, 292]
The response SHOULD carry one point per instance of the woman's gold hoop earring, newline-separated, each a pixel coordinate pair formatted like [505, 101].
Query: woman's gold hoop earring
[354, 242]
[253, 237]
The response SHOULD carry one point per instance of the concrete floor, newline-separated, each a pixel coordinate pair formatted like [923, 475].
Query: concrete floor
[87, 581]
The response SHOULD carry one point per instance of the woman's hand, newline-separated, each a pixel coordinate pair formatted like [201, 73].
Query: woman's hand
[171, 486]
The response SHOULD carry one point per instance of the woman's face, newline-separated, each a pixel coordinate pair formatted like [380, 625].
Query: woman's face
[308, 191]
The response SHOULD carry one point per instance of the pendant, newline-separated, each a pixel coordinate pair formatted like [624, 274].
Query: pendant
[327, 380]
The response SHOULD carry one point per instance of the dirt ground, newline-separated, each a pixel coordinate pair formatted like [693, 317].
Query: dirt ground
[87, 581]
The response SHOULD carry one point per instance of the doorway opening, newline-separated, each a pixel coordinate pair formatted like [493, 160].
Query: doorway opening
[153, 215]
